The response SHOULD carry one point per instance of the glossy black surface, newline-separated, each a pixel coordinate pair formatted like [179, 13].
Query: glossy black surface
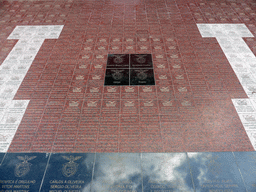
[166, 172]
[118, 61]
[117, 172]
[23, 171]
[69, 172]
[142, 77]
[1, 157]
[141, 61]
[117, 77]
[247, 164]
[215, 172]
[125, 69]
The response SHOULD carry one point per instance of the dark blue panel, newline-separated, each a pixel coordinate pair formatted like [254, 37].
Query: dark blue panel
[117, 172]
[67, 171]
[215, 172]
[118, 61]
[166, 172]
[23, 171]
[141, 61]
[142, 77]
[1, 157]
[117, 77]
[247, 164]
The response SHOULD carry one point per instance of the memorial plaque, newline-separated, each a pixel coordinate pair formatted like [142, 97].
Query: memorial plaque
[69, 172]
[166, 172]
[117, 172]
[141, 61]
[111, 92]
[129, 92]
[93, 91]
[1, 157]
[129, 106]
[23, 171]
[117, 77]
[125, 69]
[247, 164]
[118, 61]
[215, 172]
[142, 77]
[147, 92]
[110, 106]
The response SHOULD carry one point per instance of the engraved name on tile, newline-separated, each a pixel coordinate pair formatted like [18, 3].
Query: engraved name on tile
[23, 171]
[243, 62]
[69, 172]
[215, 172]
[12, 72]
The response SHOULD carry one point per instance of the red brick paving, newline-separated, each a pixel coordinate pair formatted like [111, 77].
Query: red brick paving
[68, 109]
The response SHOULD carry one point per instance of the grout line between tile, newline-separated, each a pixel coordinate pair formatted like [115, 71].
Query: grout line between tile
[42, 181]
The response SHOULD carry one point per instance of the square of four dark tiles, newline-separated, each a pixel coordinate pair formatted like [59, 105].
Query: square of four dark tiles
[129, 69]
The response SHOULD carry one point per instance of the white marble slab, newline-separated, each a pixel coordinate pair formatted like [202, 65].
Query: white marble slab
[243, 62]
[12, 72]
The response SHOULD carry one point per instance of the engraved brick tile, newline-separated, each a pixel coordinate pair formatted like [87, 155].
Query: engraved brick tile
[189, 108]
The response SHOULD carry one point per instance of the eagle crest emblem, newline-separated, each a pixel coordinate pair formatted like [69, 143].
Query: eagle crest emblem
[141, 58]
[141, 74]
[117, 75]
[23, 168]
[118, 59]
[70, 168]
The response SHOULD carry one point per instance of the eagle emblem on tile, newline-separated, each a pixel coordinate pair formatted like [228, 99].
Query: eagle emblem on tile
[141, 58]
[129, 89]
[164, 89]
[118, 58]
[111, 89]
[70, 168]
[22, 169]
[117, 75]
[141, 74]
[147, 89]
[129, 104]
[94, 90]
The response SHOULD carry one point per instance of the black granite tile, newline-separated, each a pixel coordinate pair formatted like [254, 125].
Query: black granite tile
[141, 61]
[166, 172]
[117, 172]
[118, 61]
[117, 77]
[1, 157]
[142, 77]
[247, 164]
[215, 172]
[69, 172]
[23, 171]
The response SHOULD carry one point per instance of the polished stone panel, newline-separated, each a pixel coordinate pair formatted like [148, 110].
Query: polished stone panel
[133, 69]
[166, 172]
[23, 171]
[247, 164]
[69, 172]
[141, 61]
[142, 77]
[1, 157]
[215, 172]
[117, 77]
[117, 172]
[118, 61]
